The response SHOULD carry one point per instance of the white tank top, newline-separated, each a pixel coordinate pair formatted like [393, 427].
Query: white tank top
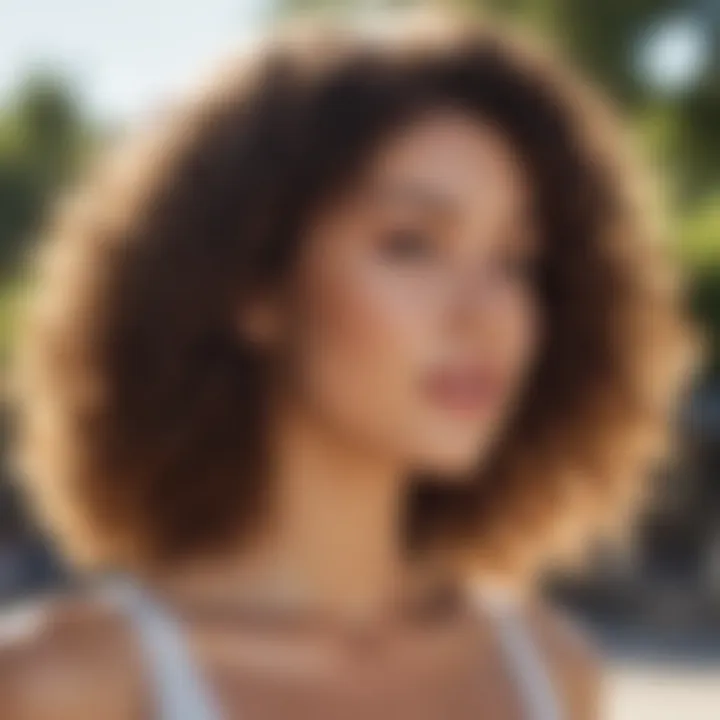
[181, 694]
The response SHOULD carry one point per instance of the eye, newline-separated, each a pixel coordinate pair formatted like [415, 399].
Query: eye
[407, 245]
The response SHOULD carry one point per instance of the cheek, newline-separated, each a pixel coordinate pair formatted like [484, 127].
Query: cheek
[507, 335]
[361, 338]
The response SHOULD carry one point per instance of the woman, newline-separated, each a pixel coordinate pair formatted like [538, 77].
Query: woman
[330, 365]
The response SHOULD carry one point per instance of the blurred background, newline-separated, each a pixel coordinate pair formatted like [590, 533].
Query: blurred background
[73, 73]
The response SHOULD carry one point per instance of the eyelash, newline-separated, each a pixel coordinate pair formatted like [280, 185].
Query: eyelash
[407, 244]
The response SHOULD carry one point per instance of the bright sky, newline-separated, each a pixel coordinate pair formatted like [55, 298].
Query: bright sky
[124, 55]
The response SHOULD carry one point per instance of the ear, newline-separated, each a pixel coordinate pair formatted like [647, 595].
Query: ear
[260, 321]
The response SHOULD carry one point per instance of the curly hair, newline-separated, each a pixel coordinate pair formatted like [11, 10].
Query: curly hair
[141, 416]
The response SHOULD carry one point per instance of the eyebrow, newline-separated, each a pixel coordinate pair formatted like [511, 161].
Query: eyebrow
[417, 192]
[429, 196]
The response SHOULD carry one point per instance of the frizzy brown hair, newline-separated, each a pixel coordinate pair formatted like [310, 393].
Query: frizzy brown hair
[141, 418]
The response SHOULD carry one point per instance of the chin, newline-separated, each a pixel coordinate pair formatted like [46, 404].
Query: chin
[453, 464]
[453, 454]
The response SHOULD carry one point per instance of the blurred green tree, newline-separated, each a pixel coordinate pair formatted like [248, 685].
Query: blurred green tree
[43, 140]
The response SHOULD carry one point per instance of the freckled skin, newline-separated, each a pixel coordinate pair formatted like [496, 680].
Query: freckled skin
[366, 328]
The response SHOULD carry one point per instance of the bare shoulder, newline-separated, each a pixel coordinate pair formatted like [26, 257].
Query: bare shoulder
[65, 656]
[572, 656]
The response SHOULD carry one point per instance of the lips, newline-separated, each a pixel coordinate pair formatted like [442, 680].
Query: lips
[464, 390]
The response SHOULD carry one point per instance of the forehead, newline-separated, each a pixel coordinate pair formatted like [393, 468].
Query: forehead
[450, 156]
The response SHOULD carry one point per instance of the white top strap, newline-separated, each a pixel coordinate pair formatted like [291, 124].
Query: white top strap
[538, 695]
[179, 691]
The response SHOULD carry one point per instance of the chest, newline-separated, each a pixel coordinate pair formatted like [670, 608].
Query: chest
[461, 668]
[445, 678]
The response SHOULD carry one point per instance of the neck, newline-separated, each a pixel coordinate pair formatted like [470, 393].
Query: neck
[335, 534]
[334, 539]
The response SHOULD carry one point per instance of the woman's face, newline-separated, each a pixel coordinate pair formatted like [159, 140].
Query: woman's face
[412, 322]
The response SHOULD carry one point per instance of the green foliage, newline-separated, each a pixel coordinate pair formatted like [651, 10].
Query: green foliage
[10, 294]
[706, 305]
[42, 142]
[700, 250]
[700, 234]
[21, 202]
